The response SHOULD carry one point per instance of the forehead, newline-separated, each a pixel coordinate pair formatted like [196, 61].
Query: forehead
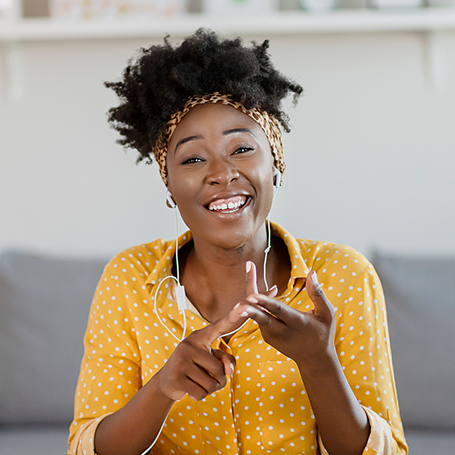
[214, 118]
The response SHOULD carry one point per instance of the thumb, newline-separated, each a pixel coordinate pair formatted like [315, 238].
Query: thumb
[226, 359]
[322, 305]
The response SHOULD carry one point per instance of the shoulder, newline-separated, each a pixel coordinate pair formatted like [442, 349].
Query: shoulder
[318, 254]
[338, 266]
[137, 260]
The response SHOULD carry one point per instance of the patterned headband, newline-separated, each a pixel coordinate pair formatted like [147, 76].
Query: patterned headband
[266, 121]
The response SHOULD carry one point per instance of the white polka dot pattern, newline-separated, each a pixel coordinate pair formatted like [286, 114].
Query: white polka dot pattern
[264, 407]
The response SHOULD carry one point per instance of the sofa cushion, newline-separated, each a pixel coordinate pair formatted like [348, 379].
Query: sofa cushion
[420, 296]
[424, 442]
[47, 440]
[44, 305]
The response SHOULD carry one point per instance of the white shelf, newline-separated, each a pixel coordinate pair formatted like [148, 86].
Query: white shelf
[295, 22]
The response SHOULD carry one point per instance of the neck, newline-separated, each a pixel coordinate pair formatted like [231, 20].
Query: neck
[227, 266]
[214, 277]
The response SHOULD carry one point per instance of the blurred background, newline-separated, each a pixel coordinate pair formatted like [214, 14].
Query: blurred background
[370, 156]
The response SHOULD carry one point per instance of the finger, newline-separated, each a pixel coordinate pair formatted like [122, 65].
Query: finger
[275, 307]
[322, 305]
[257, 314]
[227, 360]
[272, 292]
[251, 278]
[207, 374]
[215, 363]
[194, 390]
[232, 321]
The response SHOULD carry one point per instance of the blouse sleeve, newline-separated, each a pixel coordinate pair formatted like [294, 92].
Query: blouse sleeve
[110, 370]
[363, 347]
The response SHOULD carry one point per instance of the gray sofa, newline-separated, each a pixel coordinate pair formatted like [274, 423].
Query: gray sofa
[44, 304]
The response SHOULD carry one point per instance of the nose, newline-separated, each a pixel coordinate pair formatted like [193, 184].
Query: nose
[222, 172]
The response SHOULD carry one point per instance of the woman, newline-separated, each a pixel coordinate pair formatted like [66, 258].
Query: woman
[231, 366]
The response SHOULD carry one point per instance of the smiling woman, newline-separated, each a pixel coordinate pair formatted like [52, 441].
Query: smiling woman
[187, 349]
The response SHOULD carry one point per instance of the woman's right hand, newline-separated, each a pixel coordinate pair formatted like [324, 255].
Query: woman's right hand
[195, 368]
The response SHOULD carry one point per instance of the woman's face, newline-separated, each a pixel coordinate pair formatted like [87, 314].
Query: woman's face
[220, 174]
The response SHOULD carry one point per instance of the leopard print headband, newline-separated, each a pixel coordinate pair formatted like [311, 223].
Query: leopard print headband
[267, 122]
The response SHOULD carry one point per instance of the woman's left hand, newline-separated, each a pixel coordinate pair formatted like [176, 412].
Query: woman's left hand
[306, 337]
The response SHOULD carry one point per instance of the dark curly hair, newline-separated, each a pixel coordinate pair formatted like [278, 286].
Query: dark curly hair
[159, 82]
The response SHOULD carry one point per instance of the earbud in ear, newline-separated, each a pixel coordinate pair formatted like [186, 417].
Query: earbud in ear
[170, 201]
[276, 178]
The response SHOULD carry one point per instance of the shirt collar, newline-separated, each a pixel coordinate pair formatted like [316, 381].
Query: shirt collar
[298, 267]
[164, 266]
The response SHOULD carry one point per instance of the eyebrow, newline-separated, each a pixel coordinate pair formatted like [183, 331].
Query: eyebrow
[186, 139]
[237, 130]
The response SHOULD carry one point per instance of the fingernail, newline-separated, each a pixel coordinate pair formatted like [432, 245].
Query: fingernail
[232, 369]
[236, 306]
[245, 313]
[252, 300]
[194, 399]
[248, 266]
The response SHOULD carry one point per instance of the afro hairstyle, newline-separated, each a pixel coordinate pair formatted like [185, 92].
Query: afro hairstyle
[162, 78]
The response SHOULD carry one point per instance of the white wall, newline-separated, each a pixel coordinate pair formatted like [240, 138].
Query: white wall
[370, 159]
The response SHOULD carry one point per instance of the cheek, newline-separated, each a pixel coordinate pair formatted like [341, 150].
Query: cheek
[177, 185]
[185, 193]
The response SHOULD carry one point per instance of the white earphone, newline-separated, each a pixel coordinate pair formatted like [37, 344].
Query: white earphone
[170, 200]
[276, 178]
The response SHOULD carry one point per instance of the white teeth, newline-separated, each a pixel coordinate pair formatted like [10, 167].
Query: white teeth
[229, 205]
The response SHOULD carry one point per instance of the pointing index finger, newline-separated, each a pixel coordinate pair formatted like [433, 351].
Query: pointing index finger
[223, 326]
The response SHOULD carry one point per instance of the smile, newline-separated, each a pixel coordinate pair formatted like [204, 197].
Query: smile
[229, 205]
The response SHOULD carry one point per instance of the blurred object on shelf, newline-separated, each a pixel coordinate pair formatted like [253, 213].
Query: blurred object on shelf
[289, 5]
[114, 9]
[193, 6]
[234, 7]
[321, 5]
[354, 4]
[35, 8]
[397, 3]
[317, 6]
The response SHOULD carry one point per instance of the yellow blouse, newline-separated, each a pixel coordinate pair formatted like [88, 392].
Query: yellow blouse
[264, 406]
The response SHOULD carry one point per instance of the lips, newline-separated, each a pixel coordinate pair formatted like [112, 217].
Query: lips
[228, 205]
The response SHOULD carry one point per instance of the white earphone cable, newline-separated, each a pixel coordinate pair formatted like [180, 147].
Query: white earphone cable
[269, 236]
[177, 279]
[182, 311]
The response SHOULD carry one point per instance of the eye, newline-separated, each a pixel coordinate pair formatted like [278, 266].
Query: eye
[243, 150]
[192, 160]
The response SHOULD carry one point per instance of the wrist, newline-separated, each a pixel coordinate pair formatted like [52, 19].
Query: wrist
[326, 364]
[157, 382]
